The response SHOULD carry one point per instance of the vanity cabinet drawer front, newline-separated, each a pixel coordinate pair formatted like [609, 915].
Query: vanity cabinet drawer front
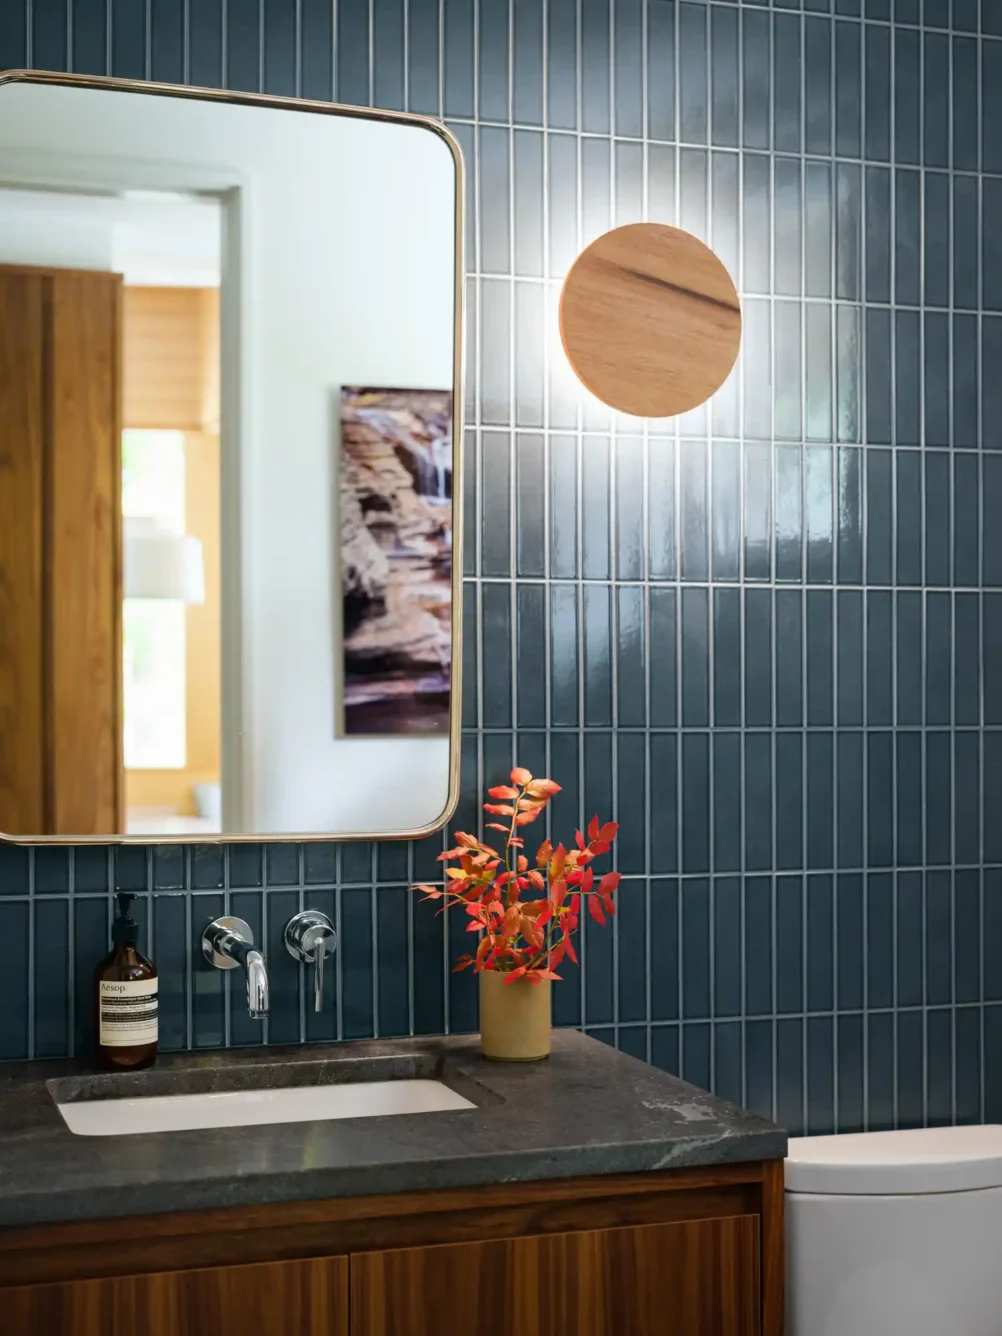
[697, 1278]
[307, 1298]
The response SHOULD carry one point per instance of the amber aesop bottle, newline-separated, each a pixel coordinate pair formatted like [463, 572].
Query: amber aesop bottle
[125, 998]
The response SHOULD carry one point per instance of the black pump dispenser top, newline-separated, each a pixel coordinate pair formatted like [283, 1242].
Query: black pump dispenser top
[124, 929]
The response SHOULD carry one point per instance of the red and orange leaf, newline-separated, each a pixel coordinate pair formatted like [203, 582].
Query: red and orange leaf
[608, 883]
[571, 953]
[579, 840]
[520, 776]
[536, 879]
[502, 791]
[595, 909]
[593, 827]
[526, 818]
[544, 853]
[499, 809]
[494, 825]
[587, 879]
[542, 788]
[523, 863]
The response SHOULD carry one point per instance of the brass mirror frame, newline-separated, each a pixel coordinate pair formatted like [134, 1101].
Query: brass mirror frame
[109, 84]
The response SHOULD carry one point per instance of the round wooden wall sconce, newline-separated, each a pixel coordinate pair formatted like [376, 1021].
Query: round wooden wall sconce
[650, 320]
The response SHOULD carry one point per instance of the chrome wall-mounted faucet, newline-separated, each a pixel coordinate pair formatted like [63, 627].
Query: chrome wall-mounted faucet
[310, 938]
[228, 942]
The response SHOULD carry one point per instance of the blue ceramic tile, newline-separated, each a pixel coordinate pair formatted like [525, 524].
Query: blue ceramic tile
[168, 868]
[910, 937]
[849, 516]
[909, 655]
[595, 67]
[694, 511]
[756, 69]
[908, 533]
[880, 799]
[849, 935]
[696, 1054]
[967, 1064]
[879, 525]
[693, 91]
[530, 682]
[789, 657]
[790, 1075]
[727, 657]
[171, 950]
[907, 378]
[819, 658]
[849, 795]
[849, 627]
[665, 1048]
[316, 43]
[757, 218]
[728, 1061]
[279, 49]
[355, 952]
[664, 960]
[880, 1072]
[877, 82]
[528, 202]
[758, 658]
[727, 801]
[663, 657]
[910, 1070]
[939, 1068]
[991, 106]
[789, 945]
[820, 800]
[848, 93]
[562, 64]
[879, 658]
[965, 15]
[878, 234]
[391, 961]
[725, 81]
[52, 871]
[938, 814]
[660, 59]
[939, 656]
[695, 780]
[939, 939]
[759, 1067]
[205, 41]
[725, 508]
[129, 45]
[991, 387]
[695, 949]
[908, 752]
[14, 998]
[563, 514]
[967, 935]
[788, 83]
[598, 656]
[967, 798]
[91, 942]
[758, 781]
[756, 364]
[991, 942]
[991, 657]
[527, 62]
[631, 853]
[494, 203]
[131, 865]
[907, 94]
[90, 868]
[492, 62]
[246, 865]
[848, 220]
[497, 629]
[789, 490]
[820, 1075]
[52, 1038]
[818, 86]
[790, 788]
[907, 237]
[758, 512]
[880, 940]
[878, 376]
[391, 862]
[631, 656]
[48, 34]
[937, 394]
[965, 104]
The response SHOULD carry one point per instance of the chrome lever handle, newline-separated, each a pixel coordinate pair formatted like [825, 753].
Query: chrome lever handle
[310, 938]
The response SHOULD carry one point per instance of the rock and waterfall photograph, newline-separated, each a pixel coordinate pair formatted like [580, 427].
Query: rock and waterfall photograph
[396, 560]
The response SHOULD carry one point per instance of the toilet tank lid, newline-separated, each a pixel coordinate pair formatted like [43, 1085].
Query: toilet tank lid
[934, 1159]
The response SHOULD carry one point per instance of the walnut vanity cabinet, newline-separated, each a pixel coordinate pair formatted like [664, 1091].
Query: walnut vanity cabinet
[692, 1253]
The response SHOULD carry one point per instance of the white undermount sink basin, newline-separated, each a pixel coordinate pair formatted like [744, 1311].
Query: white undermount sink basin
[246, 1108]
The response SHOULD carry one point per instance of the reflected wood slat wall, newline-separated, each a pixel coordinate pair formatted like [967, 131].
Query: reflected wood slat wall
[60, 558]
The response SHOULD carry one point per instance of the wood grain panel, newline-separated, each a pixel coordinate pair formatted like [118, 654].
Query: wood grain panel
[650, 320]
[22, 726]
[302, 1298]
[692, 1279]
[773, 1249]
[172, 359]
[360, 1224]
[84, 559]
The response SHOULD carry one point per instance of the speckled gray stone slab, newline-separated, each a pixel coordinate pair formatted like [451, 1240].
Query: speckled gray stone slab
[588, 1109]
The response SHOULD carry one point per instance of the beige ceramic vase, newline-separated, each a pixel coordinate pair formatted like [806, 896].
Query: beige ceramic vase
[515, 1018]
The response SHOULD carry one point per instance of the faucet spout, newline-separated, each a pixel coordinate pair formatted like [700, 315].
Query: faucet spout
[229, 942]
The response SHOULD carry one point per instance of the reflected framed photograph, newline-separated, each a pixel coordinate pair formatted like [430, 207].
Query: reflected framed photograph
[396, 560]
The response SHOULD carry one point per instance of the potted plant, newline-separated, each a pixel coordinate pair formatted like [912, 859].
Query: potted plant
[526, 914]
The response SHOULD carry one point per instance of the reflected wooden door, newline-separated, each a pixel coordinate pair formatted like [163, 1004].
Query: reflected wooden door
[307, 1298]
[697, 1278]
[60, 552]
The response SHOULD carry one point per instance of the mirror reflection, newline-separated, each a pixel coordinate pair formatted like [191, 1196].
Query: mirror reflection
[228, 548]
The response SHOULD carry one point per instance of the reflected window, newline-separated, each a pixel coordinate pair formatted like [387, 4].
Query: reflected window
[154, 688]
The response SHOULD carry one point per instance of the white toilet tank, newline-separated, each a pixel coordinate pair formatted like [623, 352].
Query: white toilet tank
[892, 1233]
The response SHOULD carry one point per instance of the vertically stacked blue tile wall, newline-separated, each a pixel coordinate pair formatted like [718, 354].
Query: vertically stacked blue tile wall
[767, 637]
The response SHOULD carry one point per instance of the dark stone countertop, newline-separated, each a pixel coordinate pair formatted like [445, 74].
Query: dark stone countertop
[587, 1110]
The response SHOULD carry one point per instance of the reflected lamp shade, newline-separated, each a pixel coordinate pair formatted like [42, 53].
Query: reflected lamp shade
[161, 564]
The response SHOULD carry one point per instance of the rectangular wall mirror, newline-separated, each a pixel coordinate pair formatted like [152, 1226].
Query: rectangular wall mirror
[230, 447]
